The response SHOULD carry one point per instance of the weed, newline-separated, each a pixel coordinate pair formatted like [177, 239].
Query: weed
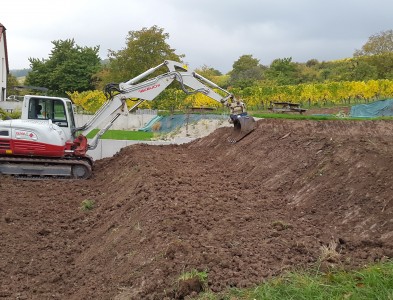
[87, 205]
[280, 225]
[329, 252]
[138, 226]
[194, 274]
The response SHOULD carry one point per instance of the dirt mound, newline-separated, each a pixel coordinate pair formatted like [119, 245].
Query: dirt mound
[289, 195]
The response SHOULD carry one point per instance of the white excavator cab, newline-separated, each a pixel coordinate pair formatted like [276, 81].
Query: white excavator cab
[57, 110]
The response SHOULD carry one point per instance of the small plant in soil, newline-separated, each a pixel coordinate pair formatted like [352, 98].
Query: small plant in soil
[191, 283]
[329, 252]
[202, 276]
[87, 205]
[280, 225]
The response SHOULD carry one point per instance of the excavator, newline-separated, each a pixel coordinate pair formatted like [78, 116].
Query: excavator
[45, 141]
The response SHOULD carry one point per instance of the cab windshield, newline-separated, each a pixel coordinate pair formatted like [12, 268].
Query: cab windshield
[45, 109]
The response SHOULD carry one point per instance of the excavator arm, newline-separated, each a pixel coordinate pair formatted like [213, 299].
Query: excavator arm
[190, 83]
[150, 89]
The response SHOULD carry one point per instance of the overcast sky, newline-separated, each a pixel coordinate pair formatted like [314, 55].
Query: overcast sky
[208, 32]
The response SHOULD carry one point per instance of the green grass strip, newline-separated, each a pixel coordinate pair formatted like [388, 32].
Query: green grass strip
[374, 282]
[123, 135]
[311, 117]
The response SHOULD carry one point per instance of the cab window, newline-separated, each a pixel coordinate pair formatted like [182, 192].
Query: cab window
[45, 109]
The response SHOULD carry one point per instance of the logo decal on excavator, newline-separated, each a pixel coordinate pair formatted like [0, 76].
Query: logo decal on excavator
[25, 135]
[149, 88]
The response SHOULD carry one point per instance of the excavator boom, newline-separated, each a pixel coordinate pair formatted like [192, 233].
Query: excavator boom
[190, 83]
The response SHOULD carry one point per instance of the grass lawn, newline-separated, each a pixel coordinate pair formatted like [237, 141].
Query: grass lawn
[123, 135]
[311, 117]
[373, 282]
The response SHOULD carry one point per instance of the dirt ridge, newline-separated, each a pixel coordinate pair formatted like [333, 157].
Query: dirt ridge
[242, 212]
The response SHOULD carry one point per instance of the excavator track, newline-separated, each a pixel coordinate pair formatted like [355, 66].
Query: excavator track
[44, 168]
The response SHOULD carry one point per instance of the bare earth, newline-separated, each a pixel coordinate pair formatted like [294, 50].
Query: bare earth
[242, 212]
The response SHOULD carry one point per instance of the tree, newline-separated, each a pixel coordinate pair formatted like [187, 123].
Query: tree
[383, 63]
[307, 72]
[312, 62]
[283, 71]
[11, 82]
[246, 71]
[214, 75]
[377, 44]
[170, 99]
[144, 49]
[362, 70]
[69, 68]
[208, 72]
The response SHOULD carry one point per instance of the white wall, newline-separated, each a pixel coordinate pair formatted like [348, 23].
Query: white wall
[3, 69]
[10, 106]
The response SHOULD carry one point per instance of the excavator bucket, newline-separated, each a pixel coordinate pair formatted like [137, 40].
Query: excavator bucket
[243, 126]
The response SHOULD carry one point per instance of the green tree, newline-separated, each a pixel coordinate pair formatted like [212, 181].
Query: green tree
[307, 72]
[69, 68]
[246, 71]
[11, 82]
[208, 72]
[362, 70]
[383, 63]
[377, 44]
[144, 49]
[312, 62]
[283, 71]
[214, 75]
[170, 99]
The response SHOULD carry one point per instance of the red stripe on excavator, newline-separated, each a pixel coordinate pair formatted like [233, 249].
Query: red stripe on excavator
[19, 147]
[5, 144]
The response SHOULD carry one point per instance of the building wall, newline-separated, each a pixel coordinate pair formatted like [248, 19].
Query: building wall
[11, 106]
[3, 63]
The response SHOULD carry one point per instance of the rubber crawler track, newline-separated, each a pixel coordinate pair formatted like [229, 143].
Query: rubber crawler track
[49, 161]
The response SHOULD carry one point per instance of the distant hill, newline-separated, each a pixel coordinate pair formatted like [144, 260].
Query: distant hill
[20, 72]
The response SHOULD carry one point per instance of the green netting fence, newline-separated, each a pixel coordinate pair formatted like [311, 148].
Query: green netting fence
[170, 123]
[383, 108]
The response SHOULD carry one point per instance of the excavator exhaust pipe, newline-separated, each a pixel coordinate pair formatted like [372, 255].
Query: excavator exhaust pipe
[243, 126]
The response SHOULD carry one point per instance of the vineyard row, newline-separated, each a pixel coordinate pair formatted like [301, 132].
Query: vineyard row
[260, 97]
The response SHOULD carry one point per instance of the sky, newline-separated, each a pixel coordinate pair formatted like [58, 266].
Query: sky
[213, 33]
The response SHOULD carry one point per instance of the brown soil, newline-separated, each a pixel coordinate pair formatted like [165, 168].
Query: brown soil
[337, 110]
[242, 212]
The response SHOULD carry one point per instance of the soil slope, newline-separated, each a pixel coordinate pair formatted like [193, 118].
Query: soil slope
[243, 212]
